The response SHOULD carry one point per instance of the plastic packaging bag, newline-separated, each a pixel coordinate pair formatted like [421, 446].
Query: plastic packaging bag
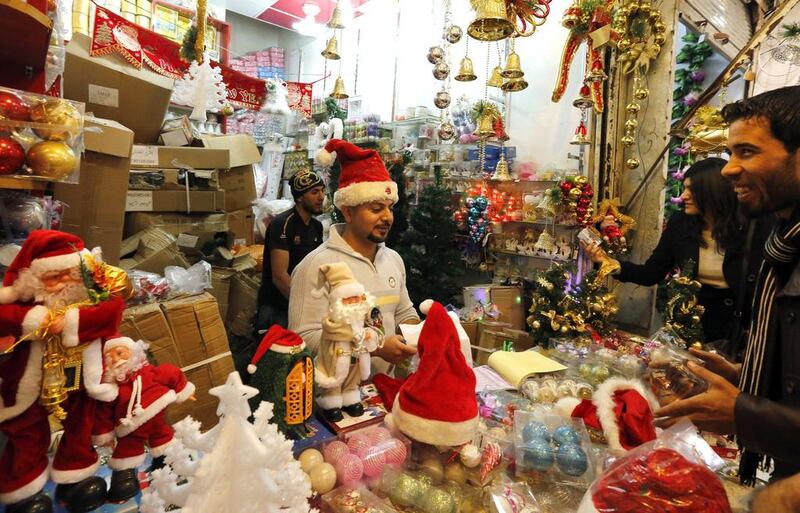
[147, 287]
[672, 474]
[193, 280]
[510, 497]
[670, 378]
[264, 210]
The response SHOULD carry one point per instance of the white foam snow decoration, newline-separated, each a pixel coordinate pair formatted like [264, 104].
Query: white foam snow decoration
[202, 88]
[249, 469]
[277, 97]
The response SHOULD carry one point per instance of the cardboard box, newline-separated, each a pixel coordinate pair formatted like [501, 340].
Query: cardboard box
[196, 327]
[241, 223]
[510, 304]
[179, 157]
[175, 179]
[239, 181]
[113, 89]
[95, 210]
[151, 250]
[471, 328]
[204, 409]
[147, 322]
[176, 224]
[221, 288]
[243, 301]
[175, 201]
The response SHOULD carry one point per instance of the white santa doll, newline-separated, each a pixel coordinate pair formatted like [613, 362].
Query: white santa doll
[139, 412]
[54, 287]
[343, 359]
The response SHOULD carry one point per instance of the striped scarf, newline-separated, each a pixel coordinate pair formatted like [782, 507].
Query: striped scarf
[780, 254]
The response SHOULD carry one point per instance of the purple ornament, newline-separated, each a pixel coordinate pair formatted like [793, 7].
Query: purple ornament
[691, 98]
[676, 200]
[678, 175]
[680, 151]
[698, 76]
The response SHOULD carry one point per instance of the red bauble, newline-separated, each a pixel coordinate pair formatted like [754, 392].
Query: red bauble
[12, 156]
[565, 187]
[13, 107]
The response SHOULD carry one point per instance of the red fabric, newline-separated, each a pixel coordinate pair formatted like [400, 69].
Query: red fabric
[25, 456]
[101, 320]
[587, 411]
[157, 381]
[443, 388]
[660, 480]
[276, 335]
[358, 165]
[634, 418]
[12, 367]
[387, 388]
[76, 451]
[41, 244]
[153, 433]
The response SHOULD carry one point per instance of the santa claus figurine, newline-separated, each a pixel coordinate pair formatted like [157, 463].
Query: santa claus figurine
[58, 305]
[139, 412]
[348, 338]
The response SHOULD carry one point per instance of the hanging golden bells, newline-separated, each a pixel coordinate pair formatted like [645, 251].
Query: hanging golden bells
[331, 51]
[584, 100]
[571, 16]
[580, 138]
[485, 127]
[501, 173]
[513, 68]
[339, 92]
[491, 21]
[336, 18]
[496, 79]
[514, 85]
[466, 72]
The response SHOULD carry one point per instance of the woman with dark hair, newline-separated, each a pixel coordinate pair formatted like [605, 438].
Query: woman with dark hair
[713, 236]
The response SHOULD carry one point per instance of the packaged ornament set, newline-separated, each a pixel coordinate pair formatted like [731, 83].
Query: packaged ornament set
[40, 136]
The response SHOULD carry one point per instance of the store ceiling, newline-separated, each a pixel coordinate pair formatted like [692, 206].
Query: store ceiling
[284, 13]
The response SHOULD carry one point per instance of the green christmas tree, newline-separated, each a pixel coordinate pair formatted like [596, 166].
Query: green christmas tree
[432, 259]
[678, 304]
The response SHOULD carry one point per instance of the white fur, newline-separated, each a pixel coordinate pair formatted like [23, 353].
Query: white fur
[26, 491]
[69, 337]
[160, 450]
[126, 463]
[363, 192]
[564, 407]
[325, 158]
[58, 263]
[8, 295]
[146, 414]
[120, 342]
[34, 319]
[329, 401]
[351, 397]
[604, 400]
[93, 374]
[185, 393]
[425, 306]
[433, 432]
[251, 369]
[103, 438]
[73, 476]
[29, 385]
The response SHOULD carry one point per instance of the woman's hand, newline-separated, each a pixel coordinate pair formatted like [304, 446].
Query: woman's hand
[595, 253]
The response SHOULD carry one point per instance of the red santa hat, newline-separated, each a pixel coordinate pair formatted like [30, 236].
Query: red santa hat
[279, 340]
[43, 251]
[621, 410]
[363, 178]
[436, 405]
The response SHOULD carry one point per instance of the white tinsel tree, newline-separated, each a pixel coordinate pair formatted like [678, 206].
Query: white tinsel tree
[201, 87]
[246, 467]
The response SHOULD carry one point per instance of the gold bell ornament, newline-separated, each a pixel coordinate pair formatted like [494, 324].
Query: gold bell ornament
[632, 163]
[584, 100]
[466, 72]
[580, 138]
[514, 85]
[596, 74]
[339, 92]
[491, 21]
[336, 18]
[331, 51]
[485, 127]
[501, 173]
[513, 68]
[496, 78]
[571, 16]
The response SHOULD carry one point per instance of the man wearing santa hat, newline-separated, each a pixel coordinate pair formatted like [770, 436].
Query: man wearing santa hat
[139, 412]
[45, 291]
[366, 196]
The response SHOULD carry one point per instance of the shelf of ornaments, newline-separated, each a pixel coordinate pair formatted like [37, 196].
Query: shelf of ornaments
[550, 257]
[24, 183]
[26, 36]
[430, 119]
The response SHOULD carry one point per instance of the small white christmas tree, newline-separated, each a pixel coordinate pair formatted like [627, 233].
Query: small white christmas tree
[246, 468]
[201, 87]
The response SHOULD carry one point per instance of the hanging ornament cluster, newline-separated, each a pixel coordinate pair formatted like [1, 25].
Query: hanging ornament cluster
[333, 53]
[488, 120]
[583, 103]
[641, 35]
[476, 215]
[439, 56]
[708, 133]
[582, 18]
[574, 194]
[513, 73]
[612, 226]
[499, 19]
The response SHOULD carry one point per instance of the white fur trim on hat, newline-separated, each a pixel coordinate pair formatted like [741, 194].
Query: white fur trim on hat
[325, 158]
[40, 266]
[565, 406]
[604, 400]
[277, 348]
[351, 289]
[25, 491]
[433, 432]
[425, 306]
[121, 342]
[363, 192]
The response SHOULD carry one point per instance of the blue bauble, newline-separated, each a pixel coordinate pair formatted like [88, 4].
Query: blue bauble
[566, 435]
[481, 203]
[572, 460]
[470, 202]
[474, 212]
[537, 455]
[534, 430]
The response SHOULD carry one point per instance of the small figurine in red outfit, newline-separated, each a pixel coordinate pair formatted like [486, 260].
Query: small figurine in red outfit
[139, 412]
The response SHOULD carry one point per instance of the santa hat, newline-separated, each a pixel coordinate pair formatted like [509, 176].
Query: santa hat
[363, 178]
[621, 410]
[43, 251]
[411, 332]
[340, 278]
[279, 340]
[120, 341]
[436, 405]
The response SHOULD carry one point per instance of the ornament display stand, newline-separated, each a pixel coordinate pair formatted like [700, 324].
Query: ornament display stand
[23, 49]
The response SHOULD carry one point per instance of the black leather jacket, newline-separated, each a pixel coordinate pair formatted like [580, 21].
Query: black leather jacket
[772, 426]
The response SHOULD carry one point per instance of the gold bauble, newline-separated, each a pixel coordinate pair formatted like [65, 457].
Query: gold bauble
[556, 326]
[51, 159]
[695, 318]
[641, 93]
[628, 140]
[564, 330]
[697, 345]
[227, 110]
[645, 8]
[574, 193]
[659, 27]
[536, 325]
[632, 163]
[66, 118]
[659, 39]
[581, 180]
[655, 16]
[633, 108]
[631, 124]
[623, 45]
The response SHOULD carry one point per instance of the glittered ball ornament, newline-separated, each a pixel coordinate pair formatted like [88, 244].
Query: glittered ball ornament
[349, 469]
[474, 212]
[395, 451]
[566, 435]
[632, 163]
[470, 455]
[470, 202]
[442, 100]
[227, 110]
[373, 460]
[309, 459]
[546, 395]
[405, 491]
[600, 373]
[572, 460]
[481, 203]
[435, 54]
[537, 455]
[441, 71]
[13, 107]
[379, 435]
[357, 442]
[51, 159]
[335, 450]
[65, 119]
[323, 478]
[437, 501]
[12, 156]
[453, 34]
[22, 216]
[535, 430]
[446, 131]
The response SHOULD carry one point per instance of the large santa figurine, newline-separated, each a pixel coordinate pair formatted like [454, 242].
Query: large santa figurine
[59, 303]
[139, 412]
[348, 338]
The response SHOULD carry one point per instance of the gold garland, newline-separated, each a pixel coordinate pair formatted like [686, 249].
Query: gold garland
[637, 50]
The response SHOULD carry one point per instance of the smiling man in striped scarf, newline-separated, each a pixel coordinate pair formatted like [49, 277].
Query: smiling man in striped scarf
[763, 411]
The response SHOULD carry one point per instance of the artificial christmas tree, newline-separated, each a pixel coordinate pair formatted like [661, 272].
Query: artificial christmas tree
[201, 87]
[431, 257]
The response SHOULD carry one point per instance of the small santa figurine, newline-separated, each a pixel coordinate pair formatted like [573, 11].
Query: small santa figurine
[58, 305]
[139, 413]
[348, 338]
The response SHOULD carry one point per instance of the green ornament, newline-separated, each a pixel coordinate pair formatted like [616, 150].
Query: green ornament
[437, 501]
[406, 491]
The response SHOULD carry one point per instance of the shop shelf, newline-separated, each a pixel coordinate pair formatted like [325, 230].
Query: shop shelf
[538, 257]
[23, 47]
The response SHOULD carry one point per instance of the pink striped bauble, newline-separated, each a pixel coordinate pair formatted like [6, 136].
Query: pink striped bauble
[395, 451]
[357, 442]
[334, 451]
[379, 435]
[374, 461]
[349, 468]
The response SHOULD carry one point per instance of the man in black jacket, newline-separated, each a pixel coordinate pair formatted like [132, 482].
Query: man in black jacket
[764, 410]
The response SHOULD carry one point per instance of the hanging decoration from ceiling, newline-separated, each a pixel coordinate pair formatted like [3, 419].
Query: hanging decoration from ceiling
[583, 19]
[439, 56]
[332, 52]
[709, 133]
[499, 19]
